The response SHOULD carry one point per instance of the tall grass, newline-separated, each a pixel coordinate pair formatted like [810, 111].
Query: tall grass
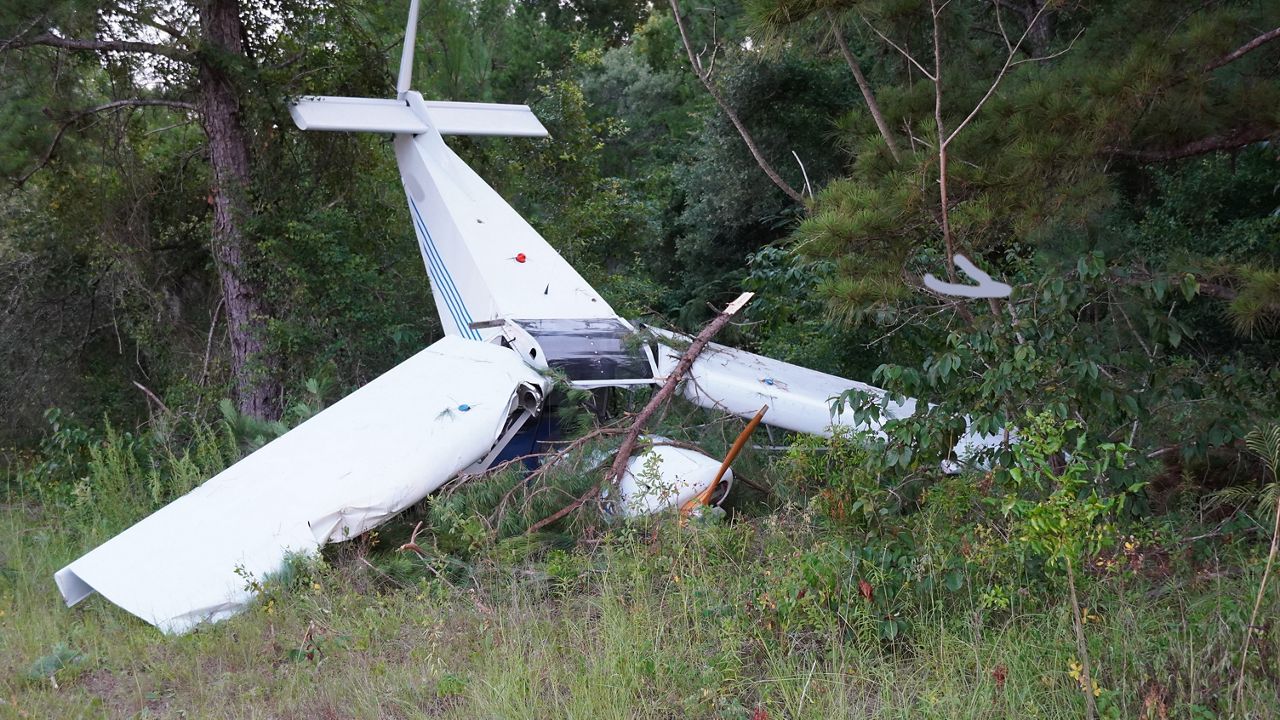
[628, 629]
[761, 616]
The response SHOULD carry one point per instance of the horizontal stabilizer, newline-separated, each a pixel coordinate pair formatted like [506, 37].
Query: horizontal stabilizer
[356, 114]
[468, 118]
[346, 470]
[400, 117]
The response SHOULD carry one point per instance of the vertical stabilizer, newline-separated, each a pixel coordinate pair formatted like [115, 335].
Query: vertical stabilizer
[406, 53]
[487, 265]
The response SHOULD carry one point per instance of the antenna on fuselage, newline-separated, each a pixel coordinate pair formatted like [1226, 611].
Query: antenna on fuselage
[406, 55]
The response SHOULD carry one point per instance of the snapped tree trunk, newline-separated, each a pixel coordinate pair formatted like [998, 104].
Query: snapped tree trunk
[255, 372]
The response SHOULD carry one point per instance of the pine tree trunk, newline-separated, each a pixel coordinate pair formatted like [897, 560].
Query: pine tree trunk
[867, 95]
[255, 373]
[1040, 34]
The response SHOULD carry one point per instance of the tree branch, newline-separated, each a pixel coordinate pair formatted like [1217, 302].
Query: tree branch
[1008, 46]
[1051, 56]
[619, 466]
[705, 77]
[904, 53]
[127, 46]
[113, 105]
[151, 22]
[9, 43]
[1244, 49]
[669, 387]
[1232, 140]
[867, 95]
[1008, 62]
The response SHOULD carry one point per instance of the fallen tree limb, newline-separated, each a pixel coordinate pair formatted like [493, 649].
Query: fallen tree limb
[669, 387]
[658, 400]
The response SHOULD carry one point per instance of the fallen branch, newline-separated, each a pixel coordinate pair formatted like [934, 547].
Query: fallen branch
[412, 545]
[582, 499]
[669, 387]
[152, 397]
[658, 400]
[550, 461]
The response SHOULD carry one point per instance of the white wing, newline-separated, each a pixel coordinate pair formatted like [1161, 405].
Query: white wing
[799, 399]
[349, 468]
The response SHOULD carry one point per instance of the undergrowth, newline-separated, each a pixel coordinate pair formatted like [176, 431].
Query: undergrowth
[834, 590]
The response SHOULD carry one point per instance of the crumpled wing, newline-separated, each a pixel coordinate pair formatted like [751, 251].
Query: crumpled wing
[348, 469]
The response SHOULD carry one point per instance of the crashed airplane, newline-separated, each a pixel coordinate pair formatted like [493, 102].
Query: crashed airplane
[511, 308]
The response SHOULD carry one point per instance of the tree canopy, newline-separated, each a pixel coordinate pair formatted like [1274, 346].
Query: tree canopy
[166, 225]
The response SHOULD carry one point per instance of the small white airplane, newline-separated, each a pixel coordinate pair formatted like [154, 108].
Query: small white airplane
[511, 308]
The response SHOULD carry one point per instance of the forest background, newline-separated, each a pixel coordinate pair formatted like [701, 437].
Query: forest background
[177, 260]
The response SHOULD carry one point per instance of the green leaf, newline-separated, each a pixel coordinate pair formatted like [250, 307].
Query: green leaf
[954, 580]
[1190, 286]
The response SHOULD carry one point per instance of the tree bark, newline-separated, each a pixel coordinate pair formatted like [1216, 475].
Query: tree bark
[255, 373]
[1039, 34]
[223, 48]
[867, 95]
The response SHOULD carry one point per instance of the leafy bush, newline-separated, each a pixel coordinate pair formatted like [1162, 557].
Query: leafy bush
[103, 480]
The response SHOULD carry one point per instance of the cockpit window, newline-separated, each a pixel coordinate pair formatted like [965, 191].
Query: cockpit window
[594, 349]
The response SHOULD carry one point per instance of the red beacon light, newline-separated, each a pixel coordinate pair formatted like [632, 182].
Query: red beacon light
[520, 257]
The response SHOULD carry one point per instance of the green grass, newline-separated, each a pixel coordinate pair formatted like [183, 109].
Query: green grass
[630, 627]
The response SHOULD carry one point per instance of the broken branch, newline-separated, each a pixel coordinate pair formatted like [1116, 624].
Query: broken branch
[658, 400]
[668, 389]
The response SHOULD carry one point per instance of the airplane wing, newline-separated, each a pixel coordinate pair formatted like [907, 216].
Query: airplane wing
[348, 469]
[799, 399]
